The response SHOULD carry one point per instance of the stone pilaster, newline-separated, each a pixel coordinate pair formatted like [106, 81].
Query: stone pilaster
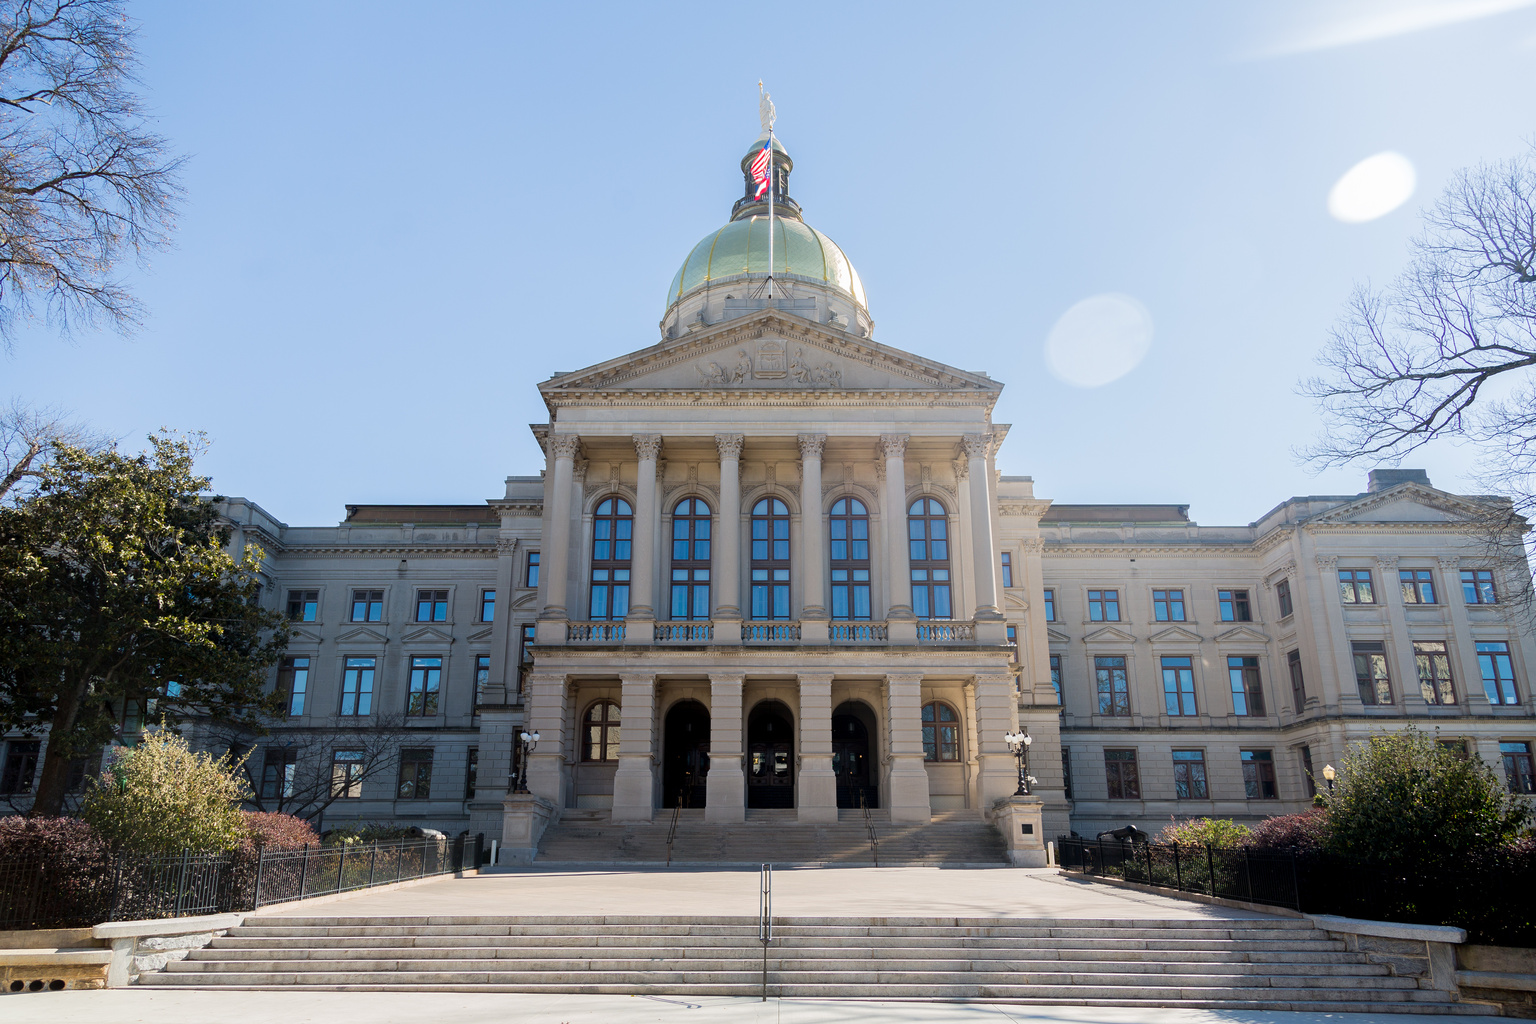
[996, 716]
[548, 714]
[909, 800]
[989, 620]
[634, 782]
[641, 620]
[1468, 671]
[902, 622]
[556, 553]
[727, 539]
[813, 547]
[725, 798]
[816, 788]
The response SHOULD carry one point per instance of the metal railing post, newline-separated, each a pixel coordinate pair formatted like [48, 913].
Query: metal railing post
[261, 859]
[1210, 865]
[304, 871]
[1178, 875]
[765, 919]
[1248, 870]
[181, 883]
[341, 867]
[373, 863]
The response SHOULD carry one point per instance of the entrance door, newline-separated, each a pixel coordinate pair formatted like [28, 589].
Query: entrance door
[685, 754]
[770, 756]
[851, 762]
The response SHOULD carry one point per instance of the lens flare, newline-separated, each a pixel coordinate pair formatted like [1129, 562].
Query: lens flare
[1099, 340]
[1372, 188]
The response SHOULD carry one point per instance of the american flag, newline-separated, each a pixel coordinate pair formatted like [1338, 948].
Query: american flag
[760, 170]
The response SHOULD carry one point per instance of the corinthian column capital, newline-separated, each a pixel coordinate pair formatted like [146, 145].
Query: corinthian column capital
[894, 445]
[729, 445]
[647, 446]
[811, 445]
[565, 446]
[977, 445]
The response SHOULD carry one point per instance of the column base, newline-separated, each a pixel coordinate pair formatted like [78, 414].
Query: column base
[902, 632]
[725, 790]
[816, 792]
[813, 631]
[1021, 820]
[991, 631]
[909, 800]
[524, 817]
[639, 632]
[633, 799]
[549, 631]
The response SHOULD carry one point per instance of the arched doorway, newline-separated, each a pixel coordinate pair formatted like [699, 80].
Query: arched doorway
[770, 756]
[852, 760]
[685, 754]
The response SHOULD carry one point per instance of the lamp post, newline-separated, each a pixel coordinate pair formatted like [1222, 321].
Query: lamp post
[1019, 743]
[526, 742]
[1329, 775]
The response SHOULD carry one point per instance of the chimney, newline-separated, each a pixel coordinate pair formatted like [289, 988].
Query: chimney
[1381, 479]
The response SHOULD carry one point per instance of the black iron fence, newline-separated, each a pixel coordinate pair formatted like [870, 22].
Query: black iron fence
[1266, 877]
[79, 891]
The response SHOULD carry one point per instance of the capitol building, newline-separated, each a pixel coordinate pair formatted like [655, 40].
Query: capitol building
[770, 565]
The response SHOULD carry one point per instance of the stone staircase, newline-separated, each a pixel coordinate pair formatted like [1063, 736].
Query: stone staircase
[950, 839]
[1260, 964]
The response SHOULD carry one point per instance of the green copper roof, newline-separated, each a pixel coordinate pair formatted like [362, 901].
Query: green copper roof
[741, 248]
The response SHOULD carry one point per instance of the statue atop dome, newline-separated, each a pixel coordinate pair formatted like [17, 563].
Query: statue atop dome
[765, 109]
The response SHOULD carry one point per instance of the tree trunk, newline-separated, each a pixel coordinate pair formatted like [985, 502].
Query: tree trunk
[53, 787]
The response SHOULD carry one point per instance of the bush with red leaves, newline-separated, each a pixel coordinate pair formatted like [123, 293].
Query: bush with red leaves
[1303, 832]
[60, 839]
[278, 831]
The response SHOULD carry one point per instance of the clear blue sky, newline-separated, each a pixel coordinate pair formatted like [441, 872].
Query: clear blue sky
[401, 216]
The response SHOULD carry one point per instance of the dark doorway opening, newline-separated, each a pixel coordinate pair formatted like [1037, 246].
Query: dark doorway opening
[852, 763]
[685, 754]
[770, 756]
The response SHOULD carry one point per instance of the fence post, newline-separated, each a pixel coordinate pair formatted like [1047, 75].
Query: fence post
[341, 867]
[1210, 865]
[117, 882]
[1295, 883]
[181, 883]
[399, 858]
[1178, 874]
[261, 858]
[1101, 855]
[304, 871]
[1148, 847]
[373, 862]
[1248, 870]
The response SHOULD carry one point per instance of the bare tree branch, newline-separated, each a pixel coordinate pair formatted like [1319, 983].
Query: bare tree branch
[27, 439]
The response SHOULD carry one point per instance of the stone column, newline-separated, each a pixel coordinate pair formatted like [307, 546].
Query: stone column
[547, 714]
[813, 545]
[727, 561]
[989, 620]
[499, 689]
[908, 799]
[902, 622]
[640, 623]
[556, 553]
[1405, 668]
[634, 787]
[1336, 662]
[996, 716]
[1468, 671]
[816, 787]
[725, 787]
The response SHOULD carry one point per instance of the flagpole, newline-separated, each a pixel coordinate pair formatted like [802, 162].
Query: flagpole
[771, 182]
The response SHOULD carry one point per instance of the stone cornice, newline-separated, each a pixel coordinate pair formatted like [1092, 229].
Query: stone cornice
[518, 508]
[806, 397]
[1035, 507]
[486, 549]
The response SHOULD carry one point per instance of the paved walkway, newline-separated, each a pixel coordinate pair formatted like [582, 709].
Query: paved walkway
[154, 1006]
[840, 892]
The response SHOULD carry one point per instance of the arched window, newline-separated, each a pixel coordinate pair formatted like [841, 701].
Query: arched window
[770, 559]
[928, 536]
[849, 532]
[613, 531]
[690, 560]
[600, 732]
[941, 732]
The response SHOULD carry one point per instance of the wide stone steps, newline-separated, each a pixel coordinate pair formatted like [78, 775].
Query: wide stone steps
[1240, 964]
[950, 838]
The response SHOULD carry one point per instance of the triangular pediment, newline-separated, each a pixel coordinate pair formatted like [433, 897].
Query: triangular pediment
[428, 634]
[1175, 635]
[1109, 635]
[480, 634]
[1056, 636]
[1245, 634]
[362, 635]
[770, 350]
[299, 635]
[1405, 503]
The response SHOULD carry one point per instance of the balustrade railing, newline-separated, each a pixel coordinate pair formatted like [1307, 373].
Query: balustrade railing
[858, 632]
[696, 632]
[945, 632]
[769, 632]
[594, 632]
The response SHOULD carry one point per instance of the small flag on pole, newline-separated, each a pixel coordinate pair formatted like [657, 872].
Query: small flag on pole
[760, 169]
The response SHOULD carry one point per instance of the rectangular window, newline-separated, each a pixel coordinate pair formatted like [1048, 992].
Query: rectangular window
[770, 594]
[525, 656]
[1007, 569]
[1259, 775]
[1298, 684]
[487, 606]
[293, 684]
[1189, 775]
[1517, 767]
[1168, 605]
[531, 572]
[471, 769]
[357, 687]
[303, 605]
[1418, 586]
[482, 676]
[1247, 687]
[1050, 605]
[1283, 595]
[367, 606]
[426, 680]
[1434, 665]
[1114, 693]
[431, 606]
[277, 771]
[415, 773]
[1066, 772]
[1371, 676]
[1120, 767]
[1178, 686]
[1104, 605]
[1355, 586]
[1234, 606]
[347, 774]
[1056, 675]
[1306, 772]
[20, 766]
[1477, 587]
[1498, 672]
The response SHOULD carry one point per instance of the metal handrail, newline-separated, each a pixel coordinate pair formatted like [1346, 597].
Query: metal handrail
[869, 825]
[672, 832]
[765, 918]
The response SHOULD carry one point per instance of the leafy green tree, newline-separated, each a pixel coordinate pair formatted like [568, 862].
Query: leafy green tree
[115, 586]
[1222, 833]
[162, 797]
[1405, 803]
